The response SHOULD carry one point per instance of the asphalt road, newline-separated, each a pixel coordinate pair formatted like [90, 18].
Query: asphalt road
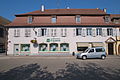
[59, 68]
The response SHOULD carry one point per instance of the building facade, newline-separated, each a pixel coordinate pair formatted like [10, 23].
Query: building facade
[62, 32]
[3, 35]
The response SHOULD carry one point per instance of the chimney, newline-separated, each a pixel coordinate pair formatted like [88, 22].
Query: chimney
[105, 10]
[42, 8]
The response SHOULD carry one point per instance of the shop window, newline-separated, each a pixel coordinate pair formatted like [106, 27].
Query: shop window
[81, 48]
[2, 48]
[54, 47]
[42, 47]
[25, 47]
[64, 47]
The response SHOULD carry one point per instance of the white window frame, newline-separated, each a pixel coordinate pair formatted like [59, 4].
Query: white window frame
[16, 32]
[78, 19]
[27, 32]
[63, 32]
[78, 31]
[99, 31]
[30, 19]
[89, 31]
[109, 32]
[54, 19]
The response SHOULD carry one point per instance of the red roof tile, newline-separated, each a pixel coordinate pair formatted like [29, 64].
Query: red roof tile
[66, 12]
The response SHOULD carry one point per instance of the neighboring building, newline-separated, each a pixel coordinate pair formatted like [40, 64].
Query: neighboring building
[3, 35]
[62, 32]
[115, 18]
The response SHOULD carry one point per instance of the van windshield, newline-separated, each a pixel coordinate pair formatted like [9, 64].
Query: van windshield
[86, 50]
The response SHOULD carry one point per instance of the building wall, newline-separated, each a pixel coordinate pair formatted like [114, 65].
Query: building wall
[70, 38]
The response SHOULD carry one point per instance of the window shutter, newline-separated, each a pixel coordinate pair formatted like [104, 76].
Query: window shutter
[74, 32]
[48, 32]
[94, 32]
[39, 32]
[114, 32]
[15, 32]
[83, 32]
[104, 32]
[18, 32]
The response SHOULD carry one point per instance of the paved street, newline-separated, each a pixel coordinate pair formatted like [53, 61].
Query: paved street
[59, 68]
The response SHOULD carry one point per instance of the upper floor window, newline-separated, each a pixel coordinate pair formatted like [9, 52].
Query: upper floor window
[27, 32]
[16, 32]
[107, 19]
[89, 31]
[30, 19]
[54, 19]
[43, 31]
[99, 31]
[53, 32]
[78, 31]
[77, 18]
[64, 32]
[109, 31]
[1, 32]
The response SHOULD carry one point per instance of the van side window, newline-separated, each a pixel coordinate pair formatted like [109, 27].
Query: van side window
[100, 50]
[92, 50]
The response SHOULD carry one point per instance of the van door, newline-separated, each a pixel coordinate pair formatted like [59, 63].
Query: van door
[91, 53]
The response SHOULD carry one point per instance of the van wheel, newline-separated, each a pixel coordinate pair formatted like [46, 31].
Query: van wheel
[103, 57]
[84, 57]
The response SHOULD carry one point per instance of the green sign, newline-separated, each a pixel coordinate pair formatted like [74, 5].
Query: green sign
[53, 40]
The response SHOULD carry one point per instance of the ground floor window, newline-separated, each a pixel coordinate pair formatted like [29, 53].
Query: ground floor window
[25, 47]
[53, 47]
[42, 47]
[2, 48]
[64, 47]
[81, 48]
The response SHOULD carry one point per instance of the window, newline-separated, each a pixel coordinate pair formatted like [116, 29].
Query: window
[107, 19]
[53, 47]
[81, 48]
[25, 47]
[16, 32]
[43, 32]
[100, 50]
[78, 18]
[79, 31]
[91, 51]
[99, 31]
[16, 48]
[27, 32]
[2, 48]
[110, 32]
[30, 19]
[42, 47]
[54, 19]
[53, 32]
[1, 32]
[89, 31]
[64, 47]
[64, 32]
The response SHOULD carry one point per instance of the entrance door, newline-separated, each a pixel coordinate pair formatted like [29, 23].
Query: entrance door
[110, 48]
[16, 48]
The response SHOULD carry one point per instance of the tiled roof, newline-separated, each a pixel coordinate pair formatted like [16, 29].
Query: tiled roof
[3, 21]
[115, 15]
[66, 12]
[65, 24]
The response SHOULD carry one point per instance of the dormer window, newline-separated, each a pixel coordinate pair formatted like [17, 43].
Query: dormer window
[107, 19]
[30, 19]
[54, 19]
[77, 18]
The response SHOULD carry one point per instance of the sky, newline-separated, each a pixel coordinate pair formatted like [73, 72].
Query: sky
[8, 8]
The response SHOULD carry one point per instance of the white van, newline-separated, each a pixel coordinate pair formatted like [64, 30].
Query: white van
[95, 52]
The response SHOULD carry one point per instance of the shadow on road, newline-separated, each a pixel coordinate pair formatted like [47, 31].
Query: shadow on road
[71, 72]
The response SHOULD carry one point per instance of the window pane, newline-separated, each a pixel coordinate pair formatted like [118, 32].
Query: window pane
[64, 47]
[43, 47]
[54, 19]
[53, 47]
[100, 50]
[25, 47]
